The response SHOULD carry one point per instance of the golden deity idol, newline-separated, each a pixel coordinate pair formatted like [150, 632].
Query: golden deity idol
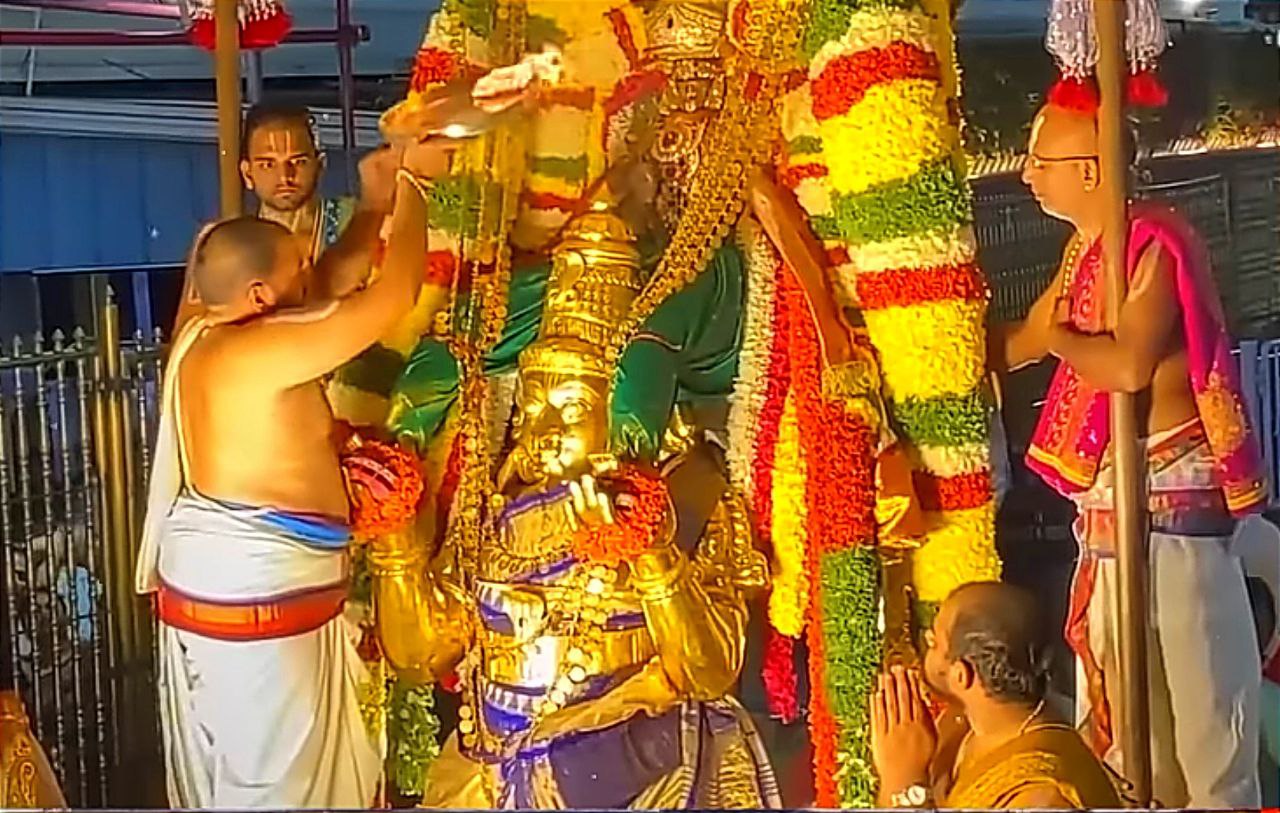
[692, 339]
[598, 636]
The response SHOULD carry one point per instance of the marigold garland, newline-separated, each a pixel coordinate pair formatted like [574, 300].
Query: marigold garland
[639, 519]
[384, 484]
[432, 66]
[845, 80]
[789, 596]
[882, 183]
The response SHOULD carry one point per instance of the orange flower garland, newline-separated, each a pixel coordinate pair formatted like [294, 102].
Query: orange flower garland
[642, 512]
[384, 484]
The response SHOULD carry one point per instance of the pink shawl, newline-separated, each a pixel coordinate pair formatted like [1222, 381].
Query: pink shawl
[1074, 430]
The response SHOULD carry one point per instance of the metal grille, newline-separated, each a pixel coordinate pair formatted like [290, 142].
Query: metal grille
[65, 652]
[1260, 377]
[1018, 246]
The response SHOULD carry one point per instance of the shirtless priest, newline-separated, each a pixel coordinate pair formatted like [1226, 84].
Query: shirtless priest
[1204, 470]
[244, 543]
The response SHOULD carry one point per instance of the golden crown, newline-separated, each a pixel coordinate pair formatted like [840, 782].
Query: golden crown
[595, 277]
[685, 30]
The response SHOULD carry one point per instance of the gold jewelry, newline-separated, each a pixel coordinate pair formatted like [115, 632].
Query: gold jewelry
[422, 185]
[395, 562]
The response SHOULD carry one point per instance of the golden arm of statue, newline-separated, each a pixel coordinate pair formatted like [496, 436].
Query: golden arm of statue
[421, 613]
[696, 608]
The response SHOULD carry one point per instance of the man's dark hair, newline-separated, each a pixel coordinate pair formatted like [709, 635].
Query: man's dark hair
[264, 113]
[998, 630]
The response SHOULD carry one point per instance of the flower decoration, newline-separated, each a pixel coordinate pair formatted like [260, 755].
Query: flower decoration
[642, 511]
[384, 483]
[263, 24]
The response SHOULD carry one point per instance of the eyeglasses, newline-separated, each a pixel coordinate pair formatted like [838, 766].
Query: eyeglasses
[1040, 162]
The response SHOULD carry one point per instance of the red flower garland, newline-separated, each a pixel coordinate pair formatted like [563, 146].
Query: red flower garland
[912, 286]
[793, 174]
[384, 484]
[637, 523]
[779, 675]
[846, 79]
[632, 88]
[622, 32]
[432, 66]
[841, 501]
[958, 493]
[550, 200]
[441, 266]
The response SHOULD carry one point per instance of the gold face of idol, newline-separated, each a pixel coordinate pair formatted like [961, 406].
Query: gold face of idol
[561, 424]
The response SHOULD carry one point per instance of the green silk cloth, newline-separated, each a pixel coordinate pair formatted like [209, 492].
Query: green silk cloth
[687, 351]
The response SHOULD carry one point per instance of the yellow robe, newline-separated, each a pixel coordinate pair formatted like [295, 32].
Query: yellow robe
[26, 778]
[1051, 755]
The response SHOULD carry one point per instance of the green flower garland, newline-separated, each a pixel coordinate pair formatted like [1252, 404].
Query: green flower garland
[413, 732]
[850, 596]
[412, 726]
[931, 199]
[948, 420]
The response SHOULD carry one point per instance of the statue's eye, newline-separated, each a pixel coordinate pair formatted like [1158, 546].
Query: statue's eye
[573, 412]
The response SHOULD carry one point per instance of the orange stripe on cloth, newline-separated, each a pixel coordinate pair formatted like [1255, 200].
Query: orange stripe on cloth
[1077, 635]
[259, 621]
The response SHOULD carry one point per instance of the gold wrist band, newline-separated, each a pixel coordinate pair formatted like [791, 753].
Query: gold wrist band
[422, 185]
[654, 574]
[396, 562]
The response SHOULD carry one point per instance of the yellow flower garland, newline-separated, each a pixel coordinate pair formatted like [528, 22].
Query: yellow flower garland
[789, 598]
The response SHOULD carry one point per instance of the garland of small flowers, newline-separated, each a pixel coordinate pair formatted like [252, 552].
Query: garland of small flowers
[641, 512]
[755, 430]
[840, 457]
[384, 485]
[882, 83]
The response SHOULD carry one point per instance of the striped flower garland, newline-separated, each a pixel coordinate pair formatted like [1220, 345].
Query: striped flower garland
[809, 463]
[873, 159]
[881, 83]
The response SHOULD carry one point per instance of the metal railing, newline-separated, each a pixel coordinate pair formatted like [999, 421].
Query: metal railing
[76, 418]
[1260, 378]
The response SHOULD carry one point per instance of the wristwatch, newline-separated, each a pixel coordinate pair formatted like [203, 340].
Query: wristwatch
[916, 795]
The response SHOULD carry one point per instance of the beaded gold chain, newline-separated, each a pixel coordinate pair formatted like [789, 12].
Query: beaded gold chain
[739, 139]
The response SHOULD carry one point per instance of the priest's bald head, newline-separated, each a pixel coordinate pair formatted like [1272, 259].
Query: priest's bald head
[1062, 166]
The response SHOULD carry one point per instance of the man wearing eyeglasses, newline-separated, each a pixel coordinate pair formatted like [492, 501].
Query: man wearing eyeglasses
[1171, 350]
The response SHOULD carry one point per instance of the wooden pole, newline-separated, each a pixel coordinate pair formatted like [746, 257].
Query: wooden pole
[1130, 462]
[227, 84]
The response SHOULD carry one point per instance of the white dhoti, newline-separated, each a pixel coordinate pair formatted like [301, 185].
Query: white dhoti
[271, 723]
[1204, 668]
[258, 673]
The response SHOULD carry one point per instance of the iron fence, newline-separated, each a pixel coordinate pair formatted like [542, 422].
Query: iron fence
[75, 650]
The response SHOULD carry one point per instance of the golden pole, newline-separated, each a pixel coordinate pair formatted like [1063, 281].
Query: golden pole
[1130, 463]
[226, 61]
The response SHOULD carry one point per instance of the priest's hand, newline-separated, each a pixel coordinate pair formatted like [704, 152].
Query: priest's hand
[903, 738]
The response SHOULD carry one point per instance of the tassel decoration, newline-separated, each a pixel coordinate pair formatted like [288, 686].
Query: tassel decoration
[263, 24]
[1142, 89]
